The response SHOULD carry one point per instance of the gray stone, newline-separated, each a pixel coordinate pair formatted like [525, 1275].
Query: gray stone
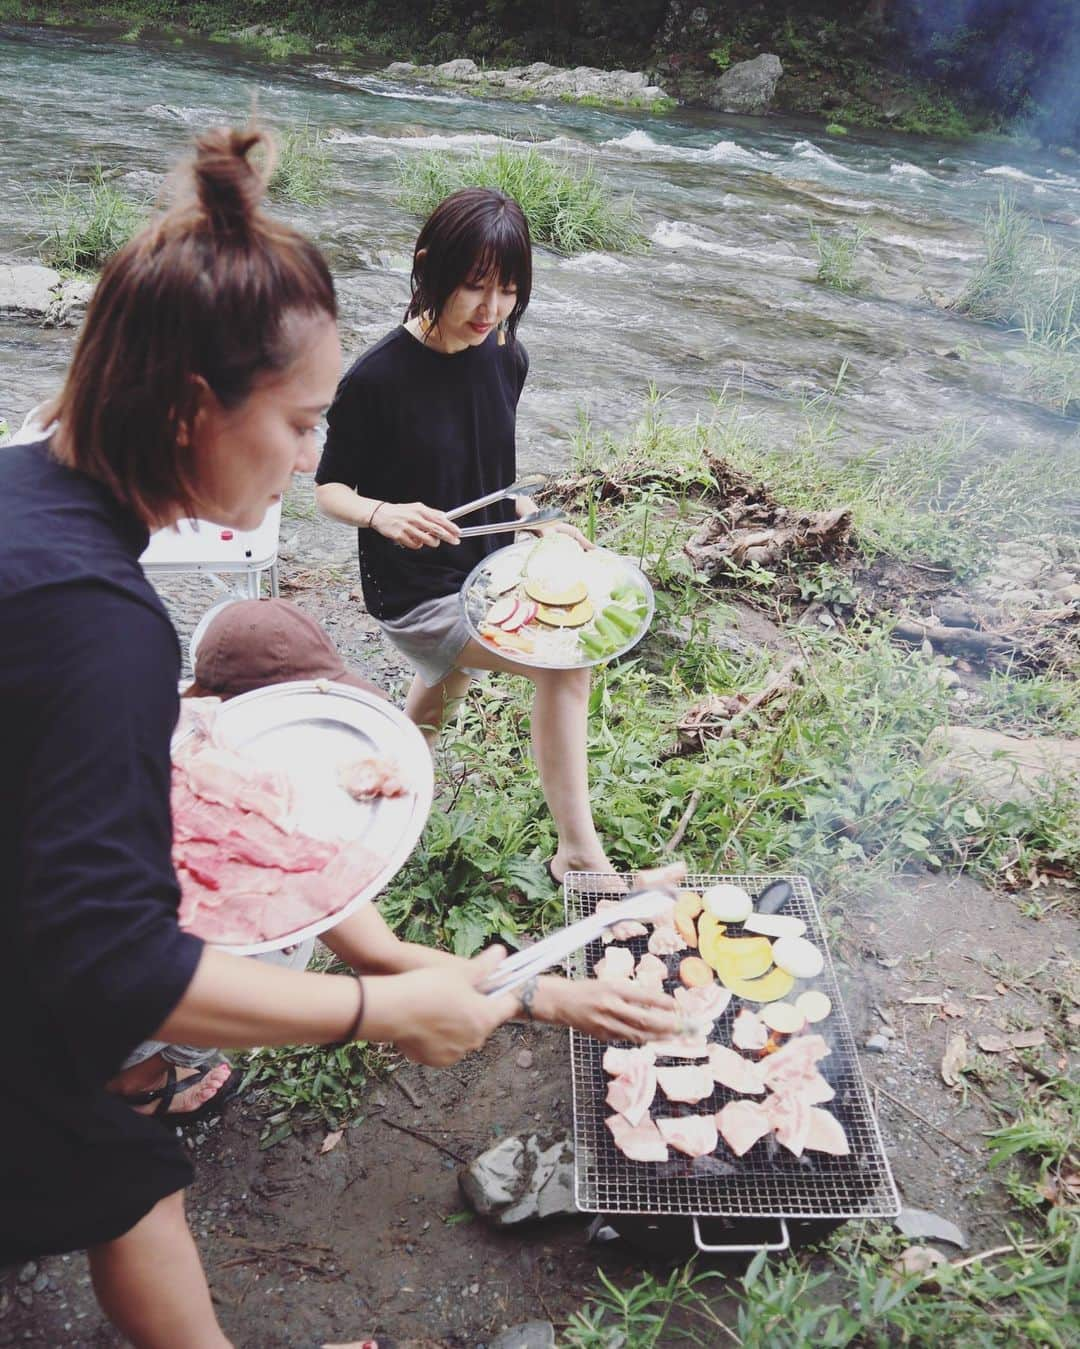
[28, 1273]
[748, 86]
[878, 1044]
[997, 767]
[69, 304]
[918, 1222]
[27, 290]
[519, 1180]
[461, 69]
[401, 68]
[530, 1335]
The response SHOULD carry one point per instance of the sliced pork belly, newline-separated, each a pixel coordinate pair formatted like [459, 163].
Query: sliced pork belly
[749, 1031]
[221, 776]
[793, 1067]
[641, 1143]
[703, 1004]
[693, 1134]
[632, 1092]
[742, 1123]
[651, 971]
[618, 1061]
[731, 1070]
[688, 1084]
[826, 1134]
[679, 1048]
[629, 927]
[664, 940]
[618, 963]
[790, 1118]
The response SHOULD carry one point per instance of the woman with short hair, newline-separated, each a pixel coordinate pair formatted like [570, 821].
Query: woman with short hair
[208, 354]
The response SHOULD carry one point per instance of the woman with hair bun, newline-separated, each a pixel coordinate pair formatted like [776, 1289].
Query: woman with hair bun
[208, 354]
[423, 422]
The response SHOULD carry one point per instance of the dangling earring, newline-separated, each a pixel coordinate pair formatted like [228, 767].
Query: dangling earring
[502, 333]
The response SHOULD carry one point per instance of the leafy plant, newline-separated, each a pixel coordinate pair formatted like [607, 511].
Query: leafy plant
[836, 251]
[302, 169]
[571, 210]
[87, 222]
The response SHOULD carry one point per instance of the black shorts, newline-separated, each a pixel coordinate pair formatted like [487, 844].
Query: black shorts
[79, 1170]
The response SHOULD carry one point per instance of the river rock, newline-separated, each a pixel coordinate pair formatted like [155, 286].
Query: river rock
[396, 69]
[748, 87]
[521, 1179]
[462, 70]
[997, 767]
[26, 290]
[68, 304]
[540, 80]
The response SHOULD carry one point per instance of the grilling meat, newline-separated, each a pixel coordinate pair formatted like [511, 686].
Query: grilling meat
[618, 963]
[643, 1143]
[702, 1004]
[665, 940]
[790, 1118]
[749, 1031]
[686, 1048]
[693, 1134]
[688, 1084]
[619, 1061]
[792, 1068]
[731, 1070]
[826, 1134]
[651, 971]
[632, 1092]
[629, 927]
[742, 1123]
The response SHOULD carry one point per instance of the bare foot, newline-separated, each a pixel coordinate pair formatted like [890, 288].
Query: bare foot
[602, 877]
[185, 1101]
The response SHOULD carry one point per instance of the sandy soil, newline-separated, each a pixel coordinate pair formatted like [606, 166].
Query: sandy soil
[304, 1249]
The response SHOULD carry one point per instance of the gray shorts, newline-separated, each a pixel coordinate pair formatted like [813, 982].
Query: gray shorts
[431, 636]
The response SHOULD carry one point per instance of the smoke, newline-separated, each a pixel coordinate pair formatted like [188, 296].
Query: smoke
[1022, 56]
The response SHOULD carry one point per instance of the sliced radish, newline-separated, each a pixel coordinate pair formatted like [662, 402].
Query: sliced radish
[502, 610]
[729, 903]
[814, 1006]
[775, 925]
[798, 957]
[525, 613]
[783, 1017]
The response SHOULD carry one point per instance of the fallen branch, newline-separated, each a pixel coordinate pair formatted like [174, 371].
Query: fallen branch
[687, 815]
[923, 1120]
[406, 1090]
[718, 716]
[1018, 1249]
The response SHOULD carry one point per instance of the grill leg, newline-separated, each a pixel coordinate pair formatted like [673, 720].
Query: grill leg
[781, 1245]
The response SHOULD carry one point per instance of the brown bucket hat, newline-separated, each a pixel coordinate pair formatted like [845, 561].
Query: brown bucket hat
[252, 643]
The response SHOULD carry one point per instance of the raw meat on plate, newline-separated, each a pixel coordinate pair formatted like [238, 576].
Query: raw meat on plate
[373, 776]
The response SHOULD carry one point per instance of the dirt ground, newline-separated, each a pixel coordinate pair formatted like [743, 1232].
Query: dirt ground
[305, 1249]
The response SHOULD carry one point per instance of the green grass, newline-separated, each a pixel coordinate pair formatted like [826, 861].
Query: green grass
[1032, 286]
[570, 210]
[85, 222]
[837, 250]
[303, 168]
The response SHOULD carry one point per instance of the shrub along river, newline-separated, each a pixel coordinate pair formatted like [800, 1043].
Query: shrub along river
[725, 295]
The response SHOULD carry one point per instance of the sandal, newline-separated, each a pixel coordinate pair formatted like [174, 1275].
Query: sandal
[174, 1084]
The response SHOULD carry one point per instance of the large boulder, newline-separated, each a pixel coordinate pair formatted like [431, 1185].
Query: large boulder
[996, 767]
[520, 1179]
[27, 290]
[748, 87]
[462, 70]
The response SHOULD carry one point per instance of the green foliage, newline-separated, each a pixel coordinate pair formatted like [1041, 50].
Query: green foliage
[836, 129]
[570, 210]
[309, 1084]
[86, 222]
[302, 171]
[640, 1317]
[721, 54]
[836, 251]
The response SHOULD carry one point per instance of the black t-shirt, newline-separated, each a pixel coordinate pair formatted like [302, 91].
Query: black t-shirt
[91, 957]
[411, 424]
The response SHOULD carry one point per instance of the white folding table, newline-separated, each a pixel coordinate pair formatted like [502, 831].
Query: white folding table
[216, 552]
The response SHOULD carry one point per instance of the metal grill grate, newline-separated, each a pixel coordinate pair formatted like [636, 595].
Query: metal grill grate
[768, 1181]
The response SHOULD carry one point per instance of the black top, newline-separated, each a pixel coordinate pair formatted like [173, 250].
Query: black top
[91, 957]
[411, 424]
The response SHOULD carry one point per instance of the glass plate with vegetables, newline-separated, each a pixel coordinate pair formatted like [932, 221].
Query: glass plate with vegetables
[552, 603]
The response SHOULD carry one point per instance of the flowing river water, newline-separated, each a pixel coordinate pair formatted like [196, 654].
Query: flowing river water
[725, 296]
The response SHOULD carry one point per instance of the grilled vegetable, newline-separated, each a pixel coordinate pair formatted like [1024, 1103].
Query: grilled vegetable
[799, 957]
[814, 1006]
[729, 903]
[694, 973]
[776, 984]
[735, 959]
[783, 1017]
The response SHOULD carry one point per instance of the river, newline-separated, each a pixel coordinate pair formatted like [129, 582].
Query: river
[725, 296]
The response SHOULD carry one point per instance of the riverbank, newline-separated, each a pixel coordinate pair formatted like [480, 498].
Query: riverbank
[952, 920]
[847, 74]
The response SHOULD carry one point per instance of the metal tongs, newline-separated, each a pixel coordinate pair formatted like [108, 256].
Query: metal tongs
[543, 517]
[529, 480]
[543, 955]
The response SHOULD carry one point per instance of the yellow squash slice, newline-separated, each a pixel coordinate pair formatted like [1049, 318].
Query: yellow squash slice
[735, 958]
[775, 985]
[547, 594]
[575, 617]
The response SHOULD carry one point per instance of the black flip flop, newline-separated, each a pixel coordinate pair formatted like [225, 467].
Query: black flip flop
[165, 1095]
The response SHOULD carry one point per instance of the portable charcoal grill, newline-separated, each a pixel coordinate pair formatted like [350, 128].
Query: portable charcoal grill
[768, 1182]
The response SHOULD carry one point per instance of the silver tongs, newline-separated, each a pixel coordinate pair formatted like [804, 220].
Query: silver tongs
[543, 517]
[543, 955]
[518, 485]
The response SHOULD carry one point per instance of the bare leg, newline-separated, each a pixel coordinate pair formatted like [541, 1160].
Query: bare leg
[559, 736]
[428, 707]
[150, 1074]
[151, 1285]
